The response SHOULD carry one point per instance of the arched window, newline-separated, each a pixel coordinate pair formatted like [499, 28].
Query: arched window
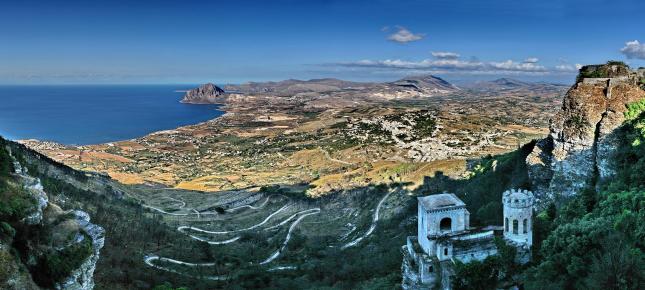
[445, 252]
[430, 269]
[506, 224]
[515, 226]
[525, 225]
[445, 225]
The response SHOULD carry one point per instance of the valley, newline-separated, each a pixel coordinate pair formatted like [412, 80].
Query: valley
[286, 186]
[324, 141]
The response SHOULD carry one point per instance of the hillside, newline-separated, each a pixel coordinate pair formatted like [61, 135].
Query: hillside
[286, 234]
[41, 245]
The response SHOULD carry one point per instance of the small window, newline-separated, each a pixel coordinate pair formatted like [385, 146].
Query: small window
[525, 226]
[515, 227]
[445, 252]
[430, 269]
[506, 224]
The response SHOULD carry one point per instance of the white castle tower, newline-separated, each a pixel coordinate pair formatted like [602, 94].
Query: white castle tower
[518, 214]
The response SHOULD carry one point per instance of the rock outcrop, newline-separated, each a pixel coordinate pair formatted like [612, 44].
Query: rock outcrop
[83, 277]
[579, 149]
[204, 94]
[58, 249]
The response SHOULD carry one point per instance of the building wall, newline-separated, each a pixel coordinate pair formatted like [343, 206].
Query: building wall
[519, 214]
[422, 230]
[459, 220]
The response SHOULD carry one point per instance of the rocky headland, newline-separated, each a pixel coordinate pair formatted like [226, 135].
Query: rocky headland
[204, 94]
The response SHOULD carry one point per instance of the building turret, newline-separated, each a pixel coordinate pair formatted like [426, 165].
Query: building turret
[518, 214]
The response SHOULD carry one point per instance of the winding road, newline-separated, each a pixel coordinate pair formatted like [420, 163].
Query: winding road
[149, 261]
[198, 213]
[183, 228]
[304, 213]
[372, 227]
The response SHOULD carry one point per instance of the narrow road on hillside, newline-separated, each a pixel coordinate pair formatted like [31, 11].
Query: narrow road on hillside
[149, 261]
[374, 222]
[291, 228]
[198, 213]
[183, 228]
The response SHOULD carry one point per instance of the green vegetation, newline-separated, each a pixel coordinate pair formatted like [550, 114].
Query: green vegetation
[6, 165]
[6, 266]
[14, 200]
[167, 286]
[596, 241]
[56, 265]
[577, 122]
[617, 62]
[635, 109]
[6, 230]
[482, 192]
[477, 275]
[424, 126]
[593, 74]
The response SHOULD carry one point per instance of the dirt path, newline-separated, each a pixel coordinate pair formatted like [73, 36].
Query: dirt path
[374, 222]
[328, 156]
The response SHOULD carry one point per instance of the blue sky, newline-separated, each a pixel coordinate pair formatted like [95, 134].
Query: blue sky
[236, 41]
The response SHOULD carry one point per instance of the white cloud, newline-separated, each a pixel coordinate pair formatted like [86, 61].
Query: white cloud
[565, 67]
[634, 49]
[403, 35]
[445, 55]
[532, 60]
[452, 65]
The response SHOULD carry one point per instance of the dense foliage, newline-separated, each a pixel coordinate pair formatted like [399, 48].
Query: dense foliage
[56, 265]
[598, 238]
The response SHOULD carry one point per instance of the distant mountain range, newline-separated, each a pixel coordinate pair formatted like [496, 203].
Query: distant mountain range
[506, 85]
[409, 87]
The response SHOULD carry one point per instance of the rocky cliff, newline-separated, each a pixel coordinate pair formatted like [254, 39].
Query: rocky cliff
[41, 245]
[204, 94]
[578, 151]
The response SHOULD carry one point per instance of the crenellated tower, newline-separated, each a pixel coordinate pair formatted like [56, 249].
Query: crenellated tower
[518, 214]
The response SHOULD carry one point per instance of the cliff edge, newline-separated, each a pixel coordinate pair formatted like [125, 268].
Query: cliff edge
[41, 245]
[582, 141]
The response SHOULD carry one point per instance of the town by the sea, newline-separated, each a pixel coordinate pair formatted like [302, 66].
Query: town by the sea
[91, 114]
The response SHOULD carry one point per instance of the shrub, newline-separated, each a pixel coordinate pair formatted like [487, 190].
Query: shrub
[7, 230]
[14, 203]
[57, 265]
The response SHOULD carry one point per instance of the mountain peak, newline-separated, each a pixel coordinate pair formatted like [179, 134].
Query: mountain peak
[204, 94]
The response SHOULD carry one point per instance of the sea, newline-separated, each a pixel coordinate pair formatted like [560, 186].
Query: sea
[92, 114]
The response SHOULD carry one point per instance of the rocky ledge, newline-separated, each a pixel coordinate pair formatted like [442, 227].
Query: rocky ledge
[59, 248]
[578, 151]
[204, 94]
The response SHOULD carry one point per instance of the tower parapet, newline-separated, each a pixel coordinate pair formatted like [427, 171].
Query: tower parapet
[518, 214]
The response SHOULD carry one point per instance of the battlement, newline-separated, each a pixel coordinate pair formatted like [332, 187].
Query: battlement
[518, 198]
